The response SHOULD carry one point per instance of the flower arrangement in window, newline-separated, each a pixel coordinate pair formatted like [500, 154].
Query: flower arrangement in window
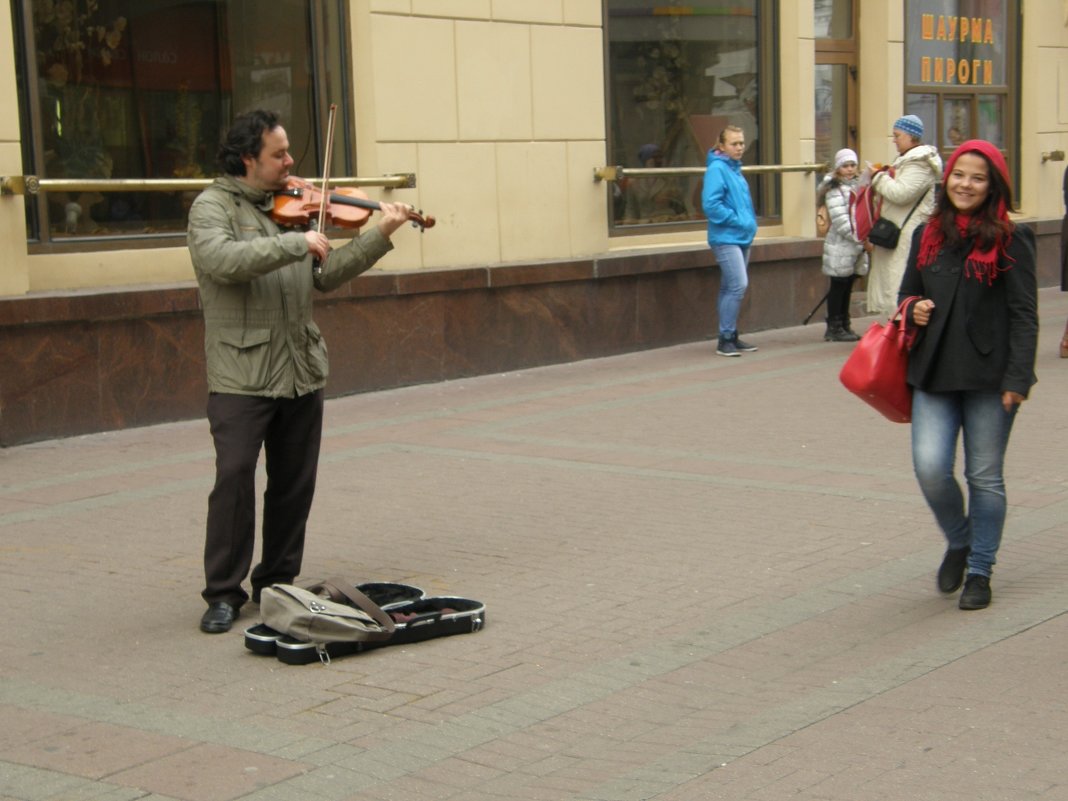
[663, 64]
[187, 123]
[75, 52]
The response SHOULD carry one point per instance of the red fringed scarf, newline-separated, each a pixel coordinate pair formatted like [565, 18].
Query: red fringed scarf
[982, 265]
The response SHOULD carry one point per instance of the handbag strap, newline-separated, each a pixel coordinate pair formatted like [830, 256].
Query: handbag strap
[908, 333]
[339, 587]
[918, 202]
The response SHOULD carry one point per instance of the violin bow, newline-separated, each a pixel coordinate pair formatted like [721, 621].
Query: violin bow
[324, 203]
[326, 163]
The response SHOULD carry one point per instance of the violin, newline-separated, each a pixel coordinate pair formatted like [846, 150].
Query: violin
[301, 202]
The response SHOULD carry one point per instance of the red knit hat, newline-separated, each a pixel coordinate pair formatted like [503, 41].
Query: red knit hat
[992, 154]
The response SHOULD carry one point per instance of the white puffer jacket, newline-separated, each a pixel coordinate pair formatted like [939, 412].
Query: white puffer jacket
[843, 255]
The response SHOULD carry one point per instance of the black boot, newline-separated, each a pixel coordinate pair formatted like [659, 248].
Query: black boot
[847, 326]
[829, 333]
[837, 333]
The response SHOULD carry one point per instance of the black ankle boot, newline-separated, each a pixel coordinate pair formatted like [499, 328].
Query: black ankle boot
[951, 571]
[837, 333]
[976, 593]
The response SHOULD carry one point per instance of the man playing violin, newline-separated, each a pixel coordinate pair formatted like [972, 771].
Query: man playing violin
[266, 359]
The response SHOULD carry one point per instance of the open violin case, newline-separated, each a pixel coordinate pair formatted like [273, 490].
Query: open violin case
[416, 617]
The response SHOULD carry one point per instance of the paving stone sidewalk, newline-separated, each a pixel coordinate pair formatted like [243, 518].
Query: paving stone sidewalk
[705, 578]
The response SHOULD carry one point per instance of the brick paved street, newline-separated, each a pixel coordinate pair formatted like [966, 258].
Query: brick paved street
[705, 578]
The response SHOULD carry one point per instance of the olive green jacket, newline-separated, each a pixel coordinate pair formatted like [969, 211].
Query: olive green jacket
[256, 285]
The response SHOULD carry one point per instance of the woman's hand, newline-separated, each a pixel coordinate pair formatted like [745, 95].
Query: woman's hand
[1010, 399]
[921, 311]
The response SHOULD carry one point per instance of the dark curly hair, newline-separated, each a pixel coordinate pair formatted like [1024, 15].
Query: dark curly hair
[245, 138]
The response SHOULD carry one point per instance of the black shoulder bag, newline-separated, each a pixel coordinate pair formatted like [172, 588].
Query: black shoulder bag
[885, 233]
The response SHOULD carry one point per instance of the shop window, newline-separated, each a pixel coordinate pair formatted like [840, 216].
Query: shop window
[678, 73]
[835, 77]
[833, 20]
[960, 71]
[143, 89]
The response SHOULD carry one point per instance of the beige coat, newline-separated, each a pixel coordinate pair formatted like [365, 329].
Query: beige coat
[915, 174]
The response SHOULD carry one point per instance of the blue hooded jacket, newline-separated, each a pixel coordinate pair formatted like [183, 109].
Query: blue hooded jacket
[726, 202]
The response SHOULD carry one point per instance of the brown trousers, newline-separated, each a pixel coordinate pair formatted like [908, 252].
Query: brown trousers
[289, 431]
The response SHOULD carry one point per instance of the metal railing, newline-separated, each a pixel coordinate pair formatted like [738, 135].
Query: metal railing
[618, 173]
[32, 185]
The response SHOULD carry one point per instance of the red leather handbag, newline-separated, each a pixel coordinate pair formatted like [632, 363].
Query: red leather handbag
[876, 369]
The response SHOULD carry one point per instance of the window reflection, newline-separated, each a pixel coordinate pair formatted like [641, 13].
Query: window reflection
[957, 121]
[832, 110]
[142, 88]
[991, 119]
[678, 74]
[924, 106]
[833, 19]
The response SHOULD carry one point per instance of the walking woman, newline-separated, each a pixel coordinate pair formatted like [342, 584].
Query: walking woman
[973, 361]
[732, 225]
[844, 256]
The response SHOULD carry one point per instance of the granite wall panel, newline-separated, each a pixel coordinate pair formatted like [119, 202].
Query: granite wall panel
[85, 362]
[49, 382]
[151, 369]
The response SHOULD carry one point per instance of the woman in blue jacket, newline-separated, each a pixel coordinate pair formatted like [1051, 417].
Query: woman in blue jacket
[732, 225]
[973, 362]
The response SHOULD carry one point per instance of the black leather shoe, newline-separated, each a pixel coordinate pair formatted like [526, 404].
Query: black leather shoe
[976, 593]
[951, 573]
[219, 618]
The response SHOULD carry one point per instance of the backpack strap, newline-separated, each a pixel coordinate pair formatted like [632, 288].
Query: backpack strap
[341, 591]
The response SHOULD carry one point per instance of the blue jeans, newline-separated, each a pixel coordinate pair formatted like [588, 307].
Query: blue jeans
[733, 281]
[937, 418]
